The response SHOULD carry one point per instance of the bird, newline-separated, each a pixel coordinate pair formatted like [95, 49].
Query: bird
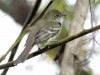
[44, 29]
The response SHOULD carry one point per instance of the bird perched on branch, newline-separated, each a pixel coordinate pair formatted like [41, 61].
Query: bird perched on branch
[44, 29]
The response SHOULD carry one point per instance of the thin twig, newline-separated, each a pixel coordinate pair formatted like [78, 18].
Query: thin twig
[28, 20]
[32, 13]
[33, 22]
[22, 34]
[49, 47]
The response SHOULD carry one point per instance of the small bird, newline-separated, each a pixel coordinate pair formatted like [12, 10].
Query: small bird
[44, 29]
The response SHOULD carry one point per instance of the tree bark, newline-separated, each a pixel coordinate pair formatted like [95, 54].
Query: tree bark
[68, 64]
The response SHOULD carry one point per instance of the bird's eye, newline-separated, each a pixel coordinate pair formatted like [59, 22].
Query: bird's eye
[57, 15]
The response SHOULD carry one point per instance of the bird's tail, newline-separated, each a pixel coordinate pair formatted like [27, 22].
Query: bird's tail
[23, 56]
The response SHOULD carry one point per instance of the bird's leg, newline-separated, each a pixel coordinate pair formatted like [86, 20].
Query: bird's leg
[38, 47]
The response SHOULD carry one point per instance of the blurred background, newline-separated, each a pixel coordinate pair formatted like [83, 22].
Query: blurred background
[14, 13]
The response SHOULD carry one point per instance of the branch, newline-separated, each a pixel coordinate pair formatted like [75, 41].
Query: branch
[68, 61]
[49, 47]
[33, 22]
[22, 34]
[28, 20]
[32, 13]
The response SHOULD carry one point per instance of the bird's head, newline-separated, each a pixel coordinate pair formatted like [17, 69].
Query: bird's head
[53, 15]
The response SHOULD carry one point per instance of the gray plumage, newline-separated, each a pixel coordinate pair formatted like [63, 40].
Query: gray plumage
[47, 27]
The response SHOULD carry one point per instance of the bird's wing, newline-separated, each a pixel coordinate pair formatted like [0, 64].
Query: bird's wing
[47, 32]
